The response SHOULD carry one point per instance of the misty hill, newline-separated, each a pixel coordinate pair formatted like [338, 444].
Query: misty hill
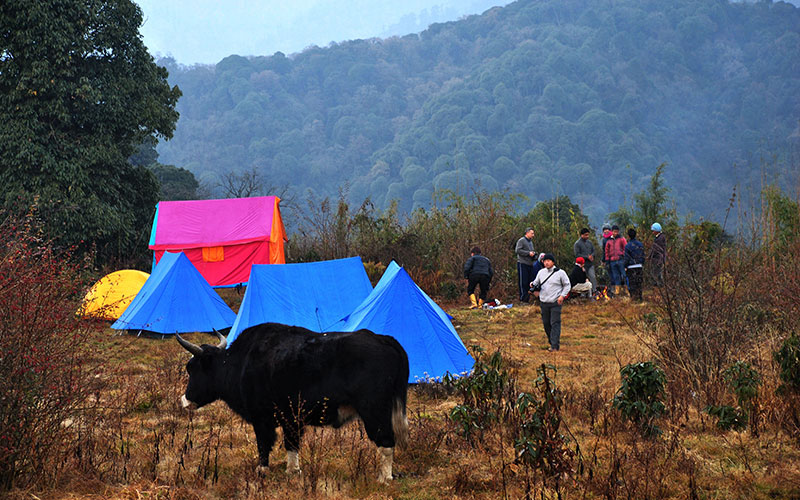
[542, 97]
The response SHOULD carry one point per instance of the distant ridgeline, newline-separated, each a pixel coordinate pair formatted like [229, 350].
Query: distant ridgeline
[542, 97]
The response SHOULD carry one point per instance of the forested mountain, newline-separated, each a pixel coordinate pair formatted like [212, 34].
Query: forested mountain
[543, 97]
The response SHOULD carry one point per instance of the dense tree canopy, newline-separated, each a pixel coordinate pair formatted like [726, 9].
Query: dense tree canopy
[78, 93]
[544, 97]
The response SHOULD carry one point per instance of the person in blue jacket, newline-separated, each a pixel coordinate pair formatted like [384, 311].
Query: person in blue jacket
[634, 262]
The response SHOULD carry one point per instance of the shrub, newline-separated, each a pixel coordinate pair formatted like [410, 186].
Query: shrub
[640, 399]
[708, 312]
[486, 395]
[788, 359]
[44, 377]
[728, 417]
[540, 443]
[743, 381]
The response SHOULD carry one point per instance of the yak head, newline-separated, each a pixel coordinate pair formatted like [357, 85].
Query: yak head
[202, 369]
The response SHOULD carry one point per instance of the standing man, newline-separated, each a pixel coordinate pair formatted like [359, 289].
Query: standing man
[615, 256]
[553, 287]
[658, 255]
[585, 249]
[634, 260]
[525, 258]
[478, 270]
[603, 240]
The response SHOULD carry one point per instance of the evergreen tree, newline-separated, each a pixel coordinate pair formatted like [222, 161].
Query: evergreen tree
[78, 94]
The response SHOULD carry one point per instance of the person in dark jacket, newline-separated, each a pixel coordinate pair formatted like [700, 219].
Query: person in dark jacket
[658, 255]
[580, 282]
[634, 262]
[478, 271]
[538, 265]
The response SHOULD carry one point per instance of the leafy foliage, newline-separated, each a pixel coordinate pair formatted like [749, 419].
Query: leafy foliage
[531, 421]
[640, 399]
[78, 93]
[486, 394]
[728, 417]
[176, 183]
[545, 98]
[432, 244]
[541, 443]
[557, 223]
[743, 381]
[788, 358]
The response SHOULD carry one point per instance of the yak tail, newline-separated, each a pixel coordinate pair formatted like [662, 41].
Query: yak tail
[400, 422]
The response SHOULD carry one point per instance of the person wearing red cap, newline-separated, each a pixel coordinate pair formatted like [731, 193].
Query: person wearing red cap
[577, 278]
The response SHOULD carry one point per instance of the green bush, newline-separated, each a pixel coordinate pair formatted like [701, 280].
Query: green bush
[788, 359]
[743, 381]
[728, 417]
[485, 394]
[640, 399]
[541, 443]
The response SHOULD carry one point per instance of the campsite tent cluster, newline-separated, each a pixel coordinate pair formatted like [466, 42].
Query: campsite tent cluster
[321, 296]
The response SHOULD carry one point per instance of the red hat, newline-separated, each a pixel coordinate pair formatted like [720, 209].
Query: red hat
[579, 260]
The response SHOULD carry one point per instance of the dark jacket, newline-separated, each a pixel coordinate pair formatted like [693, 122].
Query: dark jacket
[603, 241]
[658, 252]
[478, 264]
[578, 275]
[634, 253]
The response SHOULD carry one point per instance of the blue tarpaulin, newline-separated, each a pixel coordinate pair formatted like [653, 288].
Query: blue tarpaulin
[336, 295]
[399, 308]
[314, 295]
[176, 299]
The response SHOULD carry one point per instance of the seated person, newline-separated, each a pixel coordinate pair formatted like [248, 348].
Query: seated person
[577, 278]
[538, 265]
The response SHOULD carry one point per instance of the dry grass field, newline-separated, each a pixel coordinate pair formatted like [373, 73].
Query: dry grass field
[137, 443]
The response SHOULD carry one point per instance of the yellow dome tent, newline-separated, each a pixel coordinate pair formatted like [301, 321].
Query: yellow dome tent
[112, 294]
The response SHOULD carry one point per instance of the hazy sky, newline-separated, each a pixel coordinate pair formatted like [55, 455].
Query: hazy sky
[206, 31]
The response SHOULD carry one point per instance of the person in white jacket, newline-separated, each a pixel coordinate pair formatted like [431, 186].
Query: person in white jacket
[552, 287]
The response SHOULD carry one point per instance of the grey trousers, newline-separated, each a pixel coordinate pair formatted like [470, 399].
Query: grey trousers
[551, 319]
[592, 278]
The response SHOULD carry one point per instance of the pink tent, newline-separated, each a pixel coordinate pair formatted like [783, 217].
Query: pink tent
[222, 238]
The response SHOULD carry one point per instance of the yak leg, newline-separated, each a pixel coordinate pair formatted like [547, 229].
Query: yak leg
[378, 425]
[265, 438]
[291, 441]
[385, 456]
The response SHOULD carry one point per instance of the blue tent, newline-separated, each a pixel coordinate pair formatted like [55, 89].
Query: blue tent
[176, 299]
[314, 295]
[398, 307]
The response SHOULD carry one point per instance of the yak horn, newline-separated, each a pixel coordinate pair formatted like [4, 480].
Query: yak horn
[222, 340]
[192, 348]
